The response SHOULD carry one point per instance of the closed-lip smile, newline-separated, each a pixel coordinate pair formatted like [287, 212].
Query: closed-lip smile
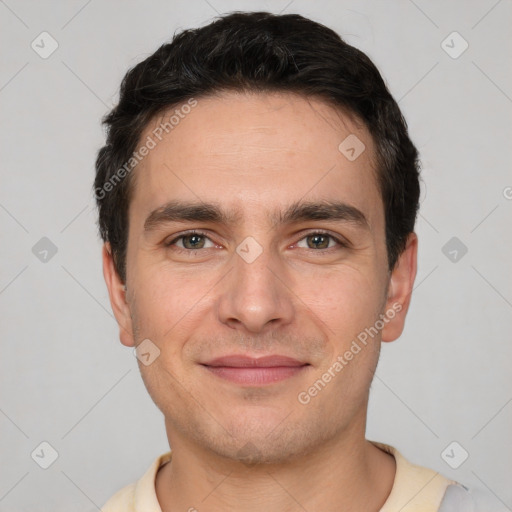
[254, 371]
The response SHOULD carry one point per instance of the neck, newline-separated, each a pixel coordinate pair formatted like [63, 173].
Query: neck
[346, 473]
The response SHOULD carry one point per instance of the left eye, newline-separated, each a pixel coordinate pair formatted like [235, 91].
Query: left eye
[319, 241]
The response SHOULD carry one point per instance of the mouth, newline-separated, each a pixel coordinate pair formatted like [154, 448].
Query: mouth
[251, 371]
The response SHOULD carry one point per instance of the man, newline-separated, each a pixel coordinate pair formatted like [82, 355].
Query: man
[257, 199]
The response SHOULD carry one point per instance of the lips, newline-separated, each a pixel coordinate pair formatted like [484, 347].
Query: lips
[241, 361]
[251, 371]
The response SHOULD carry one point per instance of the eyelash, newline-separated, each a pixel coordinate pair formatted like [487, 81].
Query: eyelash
[340, 243]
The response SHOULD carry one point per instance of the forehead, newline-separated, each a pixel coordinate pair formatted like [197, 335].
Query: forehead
[254, 152]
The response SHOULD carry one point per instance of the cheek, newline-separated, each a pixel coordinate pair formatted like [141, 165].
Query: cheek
[170, 307]
[346, 300]
[167, 309]
[164, 302]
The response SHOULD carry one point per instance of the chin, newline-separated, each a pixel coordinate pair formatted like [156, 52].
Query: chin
[251, 451]
[264, 440]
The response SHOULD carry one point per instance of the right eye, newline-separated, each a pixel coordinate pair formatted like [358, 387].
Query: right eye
[193, 240]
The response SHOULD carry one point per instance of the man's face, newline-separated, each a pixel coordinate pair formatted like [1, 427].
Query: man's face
[262, 276]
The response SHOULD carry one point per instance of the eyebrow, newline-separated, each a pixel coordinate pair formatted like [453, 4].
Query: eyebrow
[299, 211]
[322, 210]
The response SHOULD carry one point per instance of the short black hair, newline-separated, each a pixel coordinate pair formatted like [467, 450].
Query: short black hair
[262, 52]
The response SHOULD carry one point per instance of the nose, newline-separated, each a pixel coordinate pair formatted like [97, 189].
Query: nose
[255, 296]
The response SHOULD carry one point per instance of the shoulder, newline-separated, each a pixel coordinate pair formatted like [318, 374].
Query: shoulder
[457, 499]
[139, 496]
[122, 501]
[420, 489]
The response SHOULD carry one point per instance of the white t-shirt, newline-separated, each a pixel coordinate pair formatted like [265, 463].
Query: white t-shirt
[415, 489]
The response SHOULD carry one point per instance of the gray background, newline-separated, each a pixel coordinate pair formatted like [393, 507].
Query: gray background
[64, 376]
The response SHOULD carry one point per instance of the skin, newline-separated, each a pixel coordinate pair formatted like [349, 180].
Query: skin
[239, 447]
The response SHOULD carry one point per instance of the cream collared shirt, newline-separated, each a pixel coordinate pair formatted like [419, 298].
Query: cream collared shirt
[415, 489]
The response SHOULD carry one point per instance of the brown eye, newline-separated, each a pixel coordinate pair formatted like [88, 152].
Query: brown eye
[319, 241]
[193, 241]
[190, 242]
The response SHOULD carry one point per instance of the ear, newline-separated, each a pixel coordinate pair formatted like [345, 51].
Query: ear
[400, 289]
[117, 294]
